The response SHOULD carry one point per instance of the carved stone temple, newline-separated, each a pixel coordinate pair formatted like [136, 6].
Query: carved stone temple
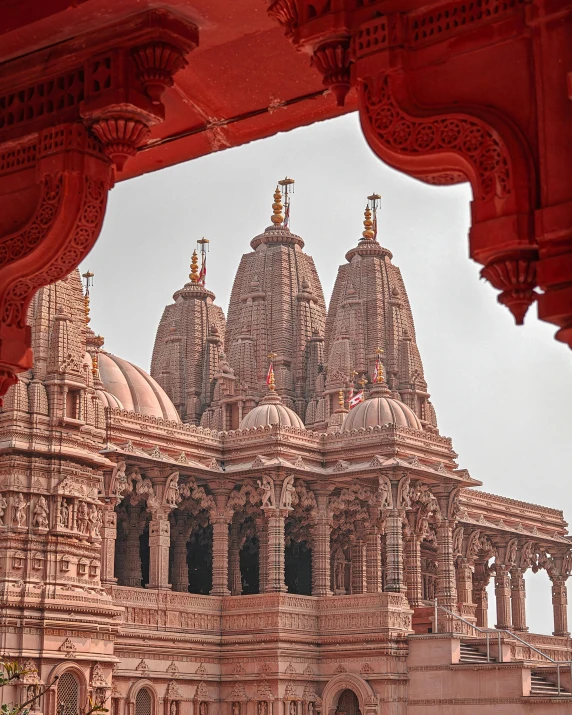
[209, 539]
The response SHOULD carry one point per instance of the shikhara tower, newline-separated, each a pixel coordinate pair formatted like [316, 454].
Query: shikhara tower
[196, 542]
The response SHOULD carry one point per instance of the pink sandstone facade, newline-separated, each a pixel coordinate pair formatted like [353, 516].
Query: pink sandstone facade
[192, 543]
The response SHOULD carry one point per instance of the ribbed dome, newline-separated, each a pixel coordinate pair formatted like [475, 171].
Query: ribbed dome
[133, 389]
[271, 411]
[109, 400]
[381, 409]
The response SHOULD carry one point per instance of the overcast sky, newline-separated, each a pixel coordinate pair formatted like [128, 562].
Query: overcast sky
[502, 393]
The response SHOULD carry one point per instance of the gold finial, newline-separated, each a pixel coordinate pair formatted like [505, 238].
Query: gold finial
[95, 365]
[353, 373]
[341, 400]
[363, 381]
[194, 274]
[277, 218]
[379, 366]
[270, 380]
[368, 232]
[88, 279]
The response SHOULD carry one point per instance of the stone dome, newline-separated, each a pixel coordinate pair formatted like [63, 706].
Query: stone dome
[381, 409]
[271, 411]
[128, 387]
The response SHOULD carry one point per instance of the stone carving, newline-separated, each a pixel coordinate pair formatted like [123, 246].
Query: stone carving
[97, 677]
[454, 504]
[264, 691]
[172, 692]
[63, 514]
[82, 518]
[172, 492]
[458, 541]
[202, 692]
[95, 521]
[3, 507]
[262, 708]
[236, 709]
[173, 670]
[288, 490]
[238, 692]
[403, 493]
[20, 506]
[384, 496]
[120, 485]
[268, 493]
[142, 667]
[40, 517]
[69, 648]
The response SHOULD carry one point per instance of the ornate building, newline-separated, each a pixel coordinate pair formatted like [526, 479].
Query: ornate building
[198, 542]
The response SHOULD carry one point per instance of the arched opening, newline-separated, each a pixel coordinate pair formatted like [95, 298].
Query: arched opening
[132, 545]
[68, 694]
[250, 565]
[348, 704]
[298, 568]
[199, 560]
[144, 702]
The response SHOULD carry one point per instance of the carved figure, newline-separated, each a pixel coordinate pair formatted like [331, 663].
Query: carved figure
[511, 552]
[120, 484]
[268, 494]
[41, 514]
[94, 521]
[82, 518]
[293, 708]
[262, 708]
[20, 506]
[311, 709]
[458, 541]
[288, 490]
[172, 491]
[173, 708]
[3, 507]
[404, 494]
[340, 575]
[143, 487]
[384, 493]
[63, 514]
[236, 709]
[204, 709]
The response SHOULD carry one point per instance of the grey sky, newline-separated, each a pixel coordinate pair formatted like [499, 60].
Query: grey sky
[502, 393]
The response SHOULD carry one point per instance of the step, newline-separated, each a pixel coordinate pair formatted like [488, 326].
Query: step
[540, 686]
[471, 654]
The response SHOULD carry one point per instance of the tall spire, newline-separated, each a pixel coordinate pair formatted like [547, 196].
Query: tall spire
[277, 217]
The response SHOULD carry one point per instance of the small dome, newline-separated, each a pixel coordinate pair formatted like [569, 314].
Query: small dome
[133, 389]
[381, 409]
[271, 411]
[109, 400]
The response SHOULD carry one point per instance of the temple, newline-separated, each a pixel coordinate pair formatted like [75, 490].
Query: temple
[226, 536]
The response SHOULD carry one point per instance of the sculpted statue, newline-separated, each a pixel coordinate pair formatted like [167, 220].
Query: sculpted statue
[94, 521]
[20, 506]
[288, 490]
[82, 518]
[63, 514]
[458, 541]
[268, 494]
[404, 494]
[204, 709]
[236, 709]
[172, 491]
[3, 507]
[120, 485]
[384, 493]
[311, 709]
[567, 564]
[262, 708]
[293, 708]
[41, 514]
[511, 553]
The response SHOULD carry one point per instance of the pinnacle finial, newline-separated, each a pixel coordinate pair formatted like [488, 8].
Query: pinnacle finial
[379, 376]
[270, 380]
[88, 280]
[194, 274]
[277, 217]
[368, 232]
[341, 399]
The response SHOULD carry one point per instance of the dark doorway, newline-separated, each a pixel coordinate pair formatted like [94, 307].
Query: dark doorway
[200, 560]
[249, 566]
[348, 704]
[298, 568]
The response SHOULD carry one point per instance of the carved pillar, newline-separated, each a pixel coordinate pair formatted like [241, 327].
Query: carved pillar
[321, 548]
[446, 583]
[275, 520]
[373, 560]
[108, 538]
[262, 554]
[234, 575]
[395, 581]
[481, 580]
[465, 587]
[560, 605]
[518, 599]
[132, 546]
[180, 574]
[413, 570]
[220, 519]
[359, 566]
[159, 543]
[502, 596]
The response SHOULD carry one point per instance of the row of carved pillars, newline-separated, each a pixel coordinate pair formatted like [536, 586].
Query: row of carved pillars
[402, 563]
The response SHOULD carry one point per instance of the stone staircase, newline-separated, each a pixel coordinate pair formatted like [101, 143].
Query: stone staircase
[540, 687]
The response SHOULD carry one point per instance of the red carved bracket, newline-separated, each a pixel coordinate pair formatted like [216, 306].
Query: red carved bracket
[74, 177]
[451, 147]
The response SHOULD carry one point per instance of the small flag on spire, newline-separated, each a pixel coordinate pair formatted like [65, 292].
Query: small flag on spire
[355, 400]
[378, 370]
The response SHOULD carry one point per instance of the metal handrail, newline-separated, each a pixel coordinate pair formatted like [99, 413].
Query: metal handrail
[487, 632]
